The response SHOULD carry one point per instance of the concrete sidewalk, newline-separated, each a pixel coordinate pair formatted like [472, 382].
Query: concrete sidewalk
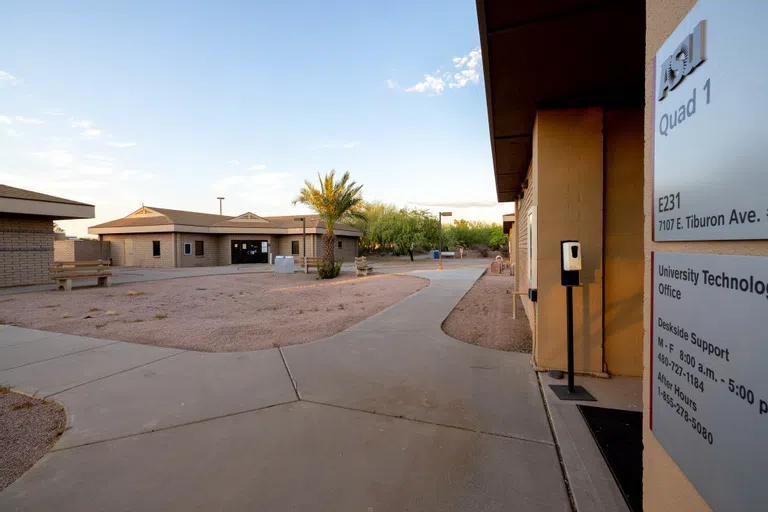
[391, 414]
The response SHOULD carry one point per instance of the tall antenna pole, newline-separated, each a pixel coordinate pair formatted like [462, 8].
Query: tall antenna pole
[220, 200]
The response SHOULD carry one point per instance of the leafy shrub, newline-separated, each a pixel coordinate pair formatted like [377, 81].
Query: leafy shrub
[329, 272]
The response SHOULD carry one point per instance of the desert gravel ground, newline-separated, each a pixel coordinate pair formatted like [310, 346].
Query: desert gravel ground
[223, 313]
[484, 317]
[28, 429]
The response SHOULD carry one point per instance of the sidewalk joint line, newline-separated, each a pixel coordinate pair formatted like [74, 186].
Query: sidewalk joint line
[290, 375]
[169, 427]
[557, 446]
[417, 420]
[180, 351]
[63, 355]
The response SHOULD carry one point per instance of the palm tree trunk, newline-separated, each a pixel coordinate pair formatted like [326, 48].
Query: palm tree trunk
[329, 241]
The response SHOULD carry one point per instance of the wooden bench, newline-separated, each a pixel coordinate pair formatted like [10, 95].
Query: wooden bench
[298, 261]
[63, 272]
[362, 267]
[449, 254]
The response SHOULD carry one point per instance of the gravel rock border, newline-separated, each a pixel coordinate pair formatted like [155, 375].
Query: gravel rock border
[29, 427]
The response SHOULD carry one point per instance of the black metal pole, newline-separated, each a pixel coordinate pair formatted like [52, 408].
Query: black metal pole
[569, 316]
[304, 242]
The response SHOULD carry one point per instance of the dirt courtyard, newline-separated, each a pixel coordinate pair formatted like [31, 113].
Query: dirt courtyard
[484, 316]
[224, 313]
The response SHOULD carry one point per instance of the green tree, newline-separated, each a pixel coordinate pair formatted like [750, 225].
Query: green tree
[333, 201]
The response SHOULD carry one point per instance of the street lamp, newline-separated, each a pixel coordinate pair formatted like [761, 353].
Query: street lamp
[304, 232]
[220, 200]
[440, 227]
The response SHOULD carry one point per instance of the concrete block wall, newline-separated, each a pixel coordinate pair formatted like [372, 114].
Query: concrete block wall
[80, 250]
[26, 249]
[210, 257]
[142, 250]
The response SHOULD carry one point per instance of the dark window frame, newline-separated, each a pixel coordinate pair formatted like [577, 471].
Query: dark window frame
[187, 245]
[295, 248]
[339, 244]
[155, 248]
[199, 248]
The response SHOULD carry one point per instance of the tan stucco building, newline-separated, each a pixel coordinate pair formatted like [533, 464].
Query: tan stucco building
[165, 238]
[570, 95]
[26, 233]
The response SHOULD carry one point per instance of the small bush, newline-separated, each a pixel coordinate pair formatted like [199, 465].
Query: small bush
[133, 293]
[91, 310]
[66, 315]
[326, 272]
[111, 313]
[160, 316]
[483, 250]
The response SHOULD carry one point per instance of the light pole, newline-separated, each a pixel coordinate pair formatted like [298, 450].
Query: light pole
[220, 200]
[304, 234]
[440, 229]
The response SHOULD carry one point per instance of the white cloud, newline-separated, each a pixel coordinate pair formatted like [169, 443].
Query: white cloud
[431, 84]
[245, 183]
[100, 158]
[257, 167]
[89, 132]
[339, 144]
[53, 112]
[233, 162]
[121, 144]
[55, 158]
[28, 120]
[5, 120]
[468, 69]
[7, 77]
[12, 133]
[392, 84]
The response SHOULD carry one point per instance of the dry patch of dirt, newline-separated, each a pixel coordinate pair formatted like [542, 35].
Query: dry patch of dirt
[225, 313]
[484, 317]
[28, 429]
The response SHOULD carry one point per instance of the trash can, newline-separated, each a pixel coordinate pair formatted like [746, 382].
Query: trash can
[436, 254]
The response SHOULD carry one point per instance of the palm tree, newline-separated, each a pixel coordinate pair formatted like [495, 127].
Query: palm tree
[332, 201]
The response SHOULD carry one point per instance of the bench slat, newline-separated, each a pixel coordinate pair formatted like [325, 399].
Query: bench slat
[80, 276]
[56, 270]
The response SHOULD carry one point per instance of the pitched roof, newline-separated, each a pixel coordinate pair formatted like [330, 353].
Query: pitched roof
[151, 216]
[20, 193]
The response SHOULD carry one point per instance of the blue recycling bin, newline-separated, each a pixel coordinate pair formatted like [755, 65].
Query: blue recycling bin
[436, 254]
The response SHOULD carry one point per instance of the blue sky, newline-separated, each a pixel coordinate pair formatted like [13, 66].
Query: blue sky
[171, 104]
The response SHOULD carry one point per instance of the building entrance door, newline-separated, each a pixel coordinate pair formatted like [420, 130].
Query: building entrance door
[130, 260]
[250, 251]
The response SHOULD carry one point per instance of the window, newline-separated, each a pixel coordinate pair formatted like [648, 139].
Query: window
[187, 248]
[156, 248]
[339, 244]
[295, 247]
[199, 248]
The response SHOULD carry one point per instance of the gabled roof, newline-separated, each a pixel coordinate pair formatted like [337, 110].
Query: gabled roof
[151, 218]
[20, 193]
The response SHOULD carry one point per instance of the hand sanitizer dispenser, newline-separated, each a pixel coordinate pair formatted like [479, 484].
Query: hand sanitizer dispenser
[571, 255]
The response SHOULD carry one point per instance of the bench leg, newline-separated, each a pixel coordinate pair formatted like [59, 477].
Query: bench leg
[64, 284]
[105, 281]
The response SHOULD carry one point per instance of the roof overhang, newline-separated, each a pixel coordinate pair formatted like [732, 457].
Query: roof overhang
[56, 211]
[555, 54]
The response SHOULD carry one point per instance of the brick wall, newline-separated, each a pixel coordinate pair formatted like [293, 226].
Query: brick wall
[142, 250]
[522, 207]
[80, 250]
[26, 249]
[64, 250]
[210, 257]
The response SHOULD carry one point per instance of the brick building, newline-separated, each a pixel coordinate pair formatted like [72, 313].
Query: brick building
[26, 233]
[164, 238]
